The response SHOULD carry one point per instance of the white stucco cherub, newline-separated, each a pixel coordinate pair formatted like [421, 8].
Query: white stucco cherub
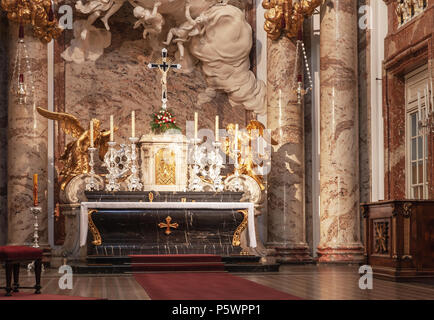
[190, 28]
[96, 8]
[151, 21]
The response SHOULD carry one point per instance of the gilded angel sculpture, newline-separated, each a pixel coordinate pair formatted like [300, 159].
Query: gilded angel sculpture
[249, 159]
[75, 157]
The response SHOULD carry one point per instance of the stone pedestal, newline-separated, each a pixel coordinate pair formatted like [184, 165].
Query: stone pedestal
[339, 157]
[164, 162]
[27, 147]
[286, 216]
[71, 247]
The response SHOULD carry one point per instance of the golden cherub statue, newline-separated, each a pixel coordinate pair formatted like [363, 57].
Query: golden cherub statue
[75, 157]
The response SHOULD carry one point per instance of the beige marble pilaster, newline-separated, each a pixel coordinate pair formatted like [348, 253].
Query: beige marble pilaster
[286, 216]
[27, 147]
[339, 157]
[3, 128]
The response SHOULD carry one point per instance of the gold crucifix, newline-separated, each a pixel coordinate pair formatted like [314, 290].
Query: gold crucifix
[164, 65]
[168, 225]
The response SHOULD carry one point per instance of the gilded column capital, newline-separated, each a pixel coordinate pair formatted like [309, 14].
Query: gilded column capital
[287, 16]
[38, 13]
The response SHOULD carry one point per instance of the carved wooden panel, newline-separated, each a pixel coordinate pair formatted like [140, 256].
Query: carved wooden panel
[381, 236]
[400, 237]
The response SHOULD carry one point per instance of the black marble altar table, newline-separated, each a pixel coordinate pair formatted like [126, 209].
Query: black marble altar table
[173, 223]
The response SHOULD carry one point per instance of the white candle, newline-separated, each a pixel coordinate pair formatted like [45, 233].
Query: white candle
[91, 134]
[133, 124]
[236, 136]
[217, 138]
[111, 129]
[419, 107]
[195, 125]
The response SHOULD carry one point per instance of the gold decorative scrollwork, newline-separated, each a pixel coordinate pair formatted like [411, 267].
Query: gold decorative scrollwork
[287, 16]
[38, 13]
[97, 241]
[236, 240]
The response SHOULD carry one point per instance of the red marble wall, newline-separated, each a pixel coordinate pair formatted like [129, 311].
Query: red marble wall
[406, 49]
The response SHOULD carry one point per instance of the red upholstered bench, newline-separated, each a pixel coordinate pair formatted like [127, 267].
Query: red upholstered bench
[12, 257]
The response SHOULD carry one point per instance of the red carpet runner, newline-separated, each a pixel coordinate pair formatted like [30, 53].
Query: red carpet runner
[210, 284]
[173, 262]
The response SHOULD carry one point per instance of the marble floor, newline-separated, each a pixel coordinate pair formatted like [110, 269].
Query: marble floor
[308, 282]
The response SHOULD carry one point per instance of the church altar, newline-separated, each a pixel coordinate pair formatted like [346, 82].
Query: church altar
[193, 227]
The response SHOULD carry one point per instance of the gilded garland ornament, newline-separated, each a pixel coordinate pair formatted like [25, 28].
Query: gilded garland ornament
[38, 13]
[287, 16]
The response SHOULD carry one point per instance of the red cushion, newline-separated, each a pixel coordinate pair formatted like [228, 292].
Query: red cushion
[20, 253]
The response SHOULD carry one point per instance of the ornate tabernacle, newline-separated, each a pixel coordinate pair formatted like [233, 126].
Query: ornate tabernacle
[399, 239]
[164, 162]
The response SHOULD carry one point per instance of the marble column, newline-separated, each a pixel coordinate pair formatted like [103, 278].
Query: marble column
[286, 216]
[339, 157]
[3, 127]
[27, 146]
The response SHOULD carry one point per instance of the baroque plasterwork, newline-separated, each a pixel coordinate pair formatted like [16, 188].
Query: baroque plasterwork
[211, 34]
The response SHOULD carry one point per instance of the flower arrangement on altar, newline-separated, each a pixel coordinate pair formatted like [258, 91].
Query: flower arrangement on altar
[163, 121]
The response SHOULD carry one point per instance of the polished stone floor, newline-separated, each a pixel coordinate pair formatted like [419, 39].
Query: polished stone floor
[308, 282]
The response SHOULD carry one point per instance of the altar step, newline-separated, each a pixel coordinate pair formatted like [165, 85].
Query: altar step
[164, 263]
